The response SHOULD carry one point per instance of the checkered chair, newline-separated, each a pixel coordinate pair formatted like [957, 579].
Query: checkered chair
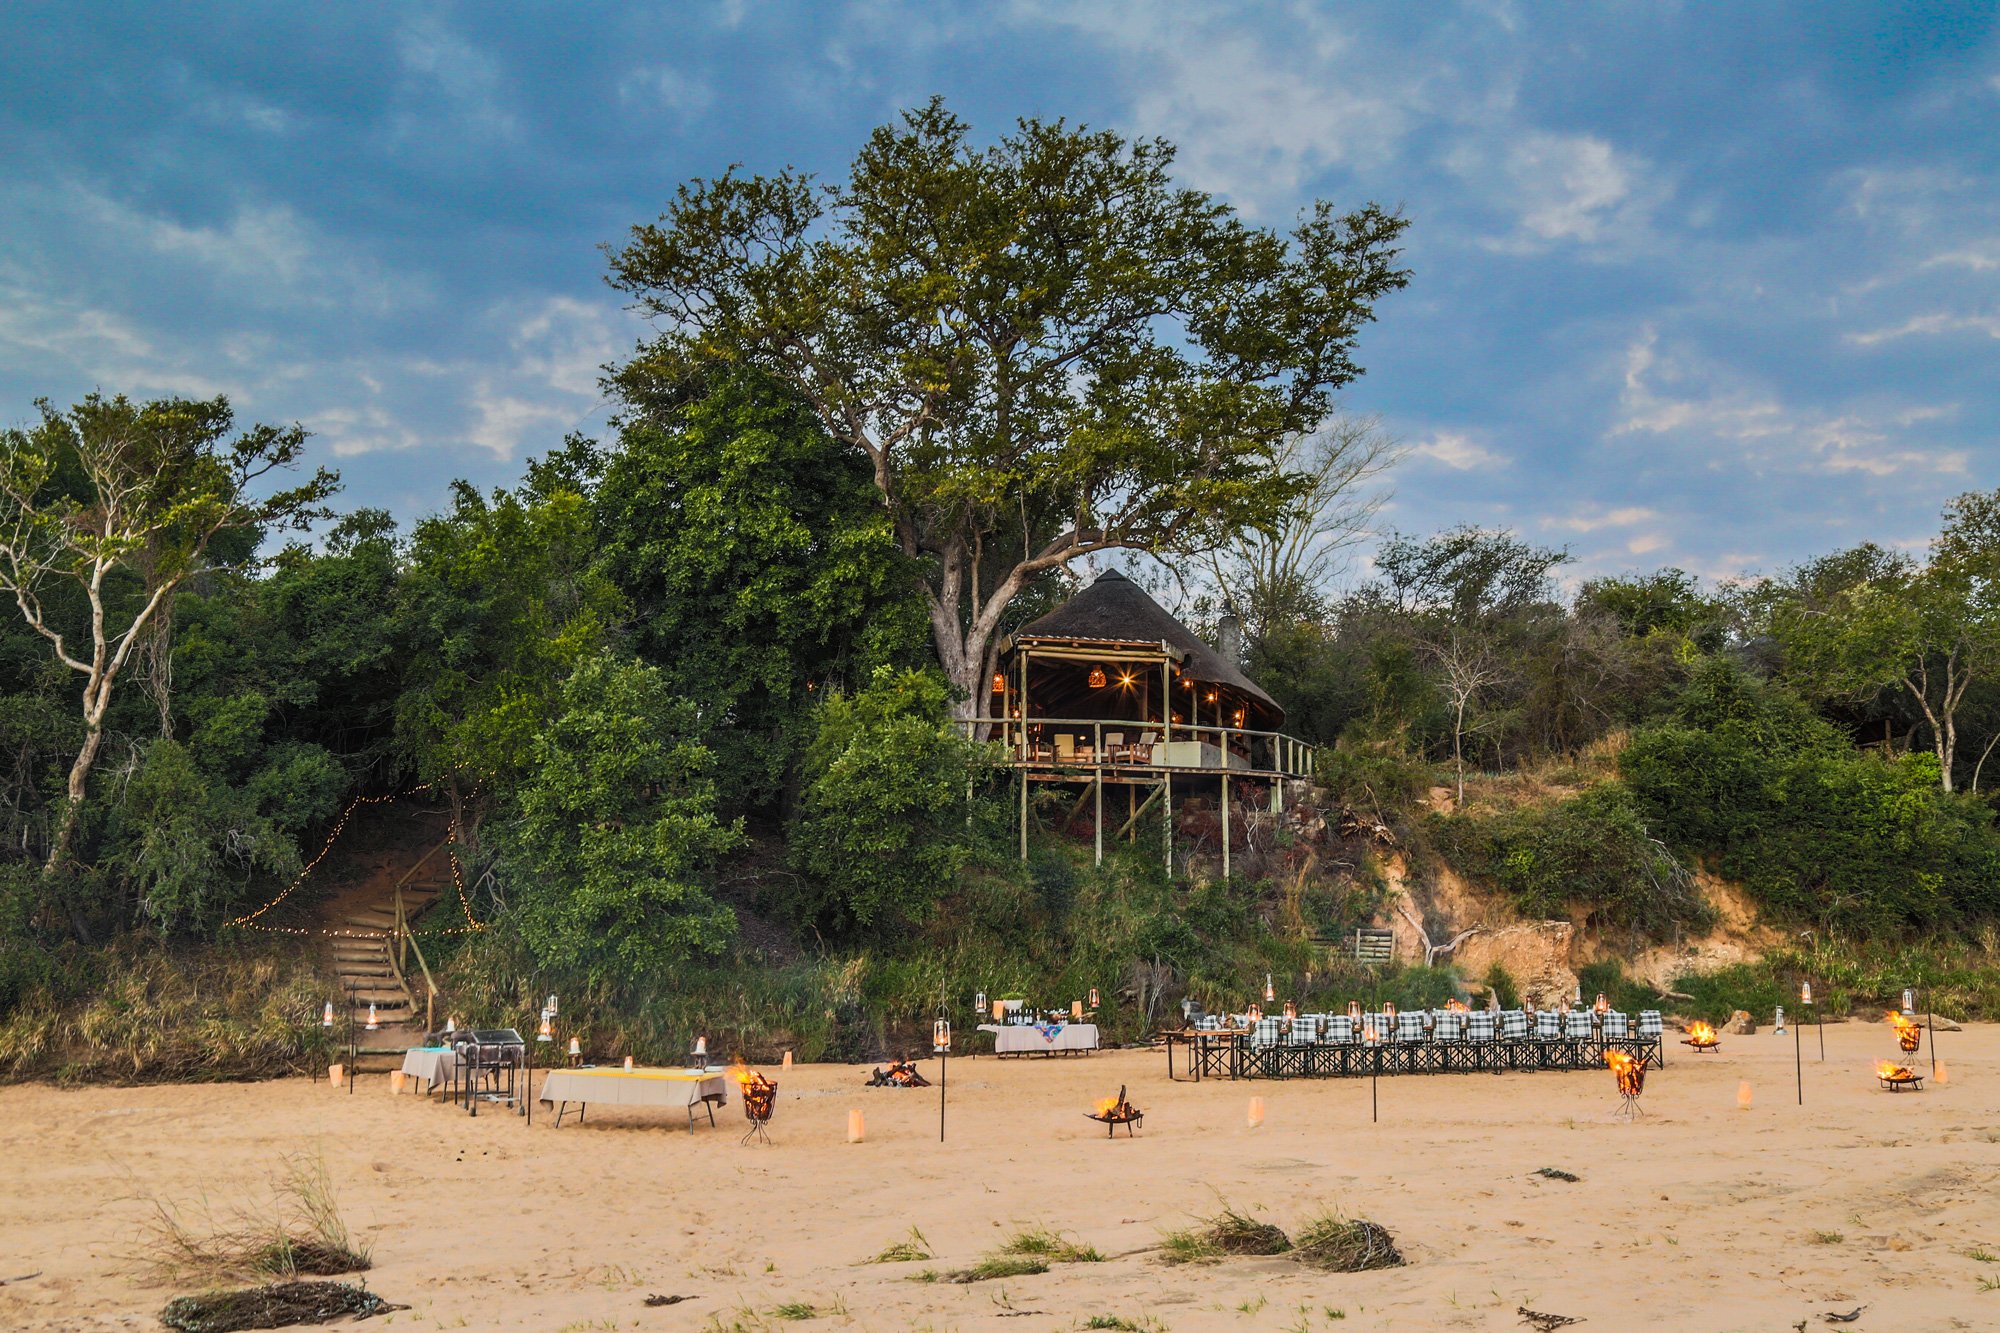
[1410, 1027]
[1450, 1025]
[1340, 1030]
[1513, 1025]
[1651, 1024]
[1616, 1025]
[1481, 1025]
[1268, 1032]
[1576, 1024]
[1548, 1025]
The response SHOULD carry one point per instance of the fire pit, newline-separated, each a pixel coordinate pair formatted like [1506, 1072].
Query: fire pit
[1897, 1077]
[1631, 1076]
[1908, 1035]
[1115, 1111]
[1702, 1038]
[899, 1074]
[760, 1102]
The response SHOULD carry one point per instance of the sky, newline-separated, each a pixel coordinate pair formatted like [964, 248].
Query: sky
[1707, 286]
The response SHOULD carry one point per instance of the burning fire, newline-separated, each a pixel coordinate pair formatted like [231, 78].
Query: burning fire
[1630, 1073]
[1104, 1107]
[1455, 1007]
[1890, 1072]
[1700, 1034]
[1908, 1035]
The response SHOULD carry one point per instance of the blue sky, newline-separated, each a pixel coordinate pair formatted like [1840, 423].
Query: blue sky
[1697, 285]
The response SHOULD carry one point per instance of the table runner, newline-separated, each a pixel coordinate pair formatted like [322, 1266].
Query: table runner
[1019, 1039]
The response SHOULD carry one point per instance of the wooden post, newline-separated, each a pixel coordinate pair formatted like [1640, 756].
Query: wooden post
[1097, 810]
[1027, 751]
[1225, 812]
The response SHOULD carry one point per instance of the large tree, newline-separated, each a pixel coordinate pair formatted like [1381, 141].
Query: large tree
[1043, 348]
[106, 511]
[1867, 620]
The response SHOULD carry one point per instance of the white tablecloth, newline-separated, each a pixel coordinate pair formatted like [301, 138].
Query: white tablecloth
[1020, 1039]
[636, 1087]
[432, 1064]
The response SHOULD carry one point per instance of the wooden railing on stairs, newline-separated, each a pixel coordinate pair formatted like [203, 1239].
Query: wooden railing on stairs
[404, 943]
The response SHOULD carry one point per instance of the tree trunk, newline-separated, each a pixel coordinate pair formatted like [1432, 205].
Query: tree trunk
[79, 779]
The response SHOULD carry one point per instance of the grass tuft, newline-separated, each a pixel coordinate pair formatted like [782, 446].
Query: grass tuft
[1228, 1232]
[1824, 1237]
[1346, 1245]
[914, 1249]
[1041, 1243]
[297, 1232]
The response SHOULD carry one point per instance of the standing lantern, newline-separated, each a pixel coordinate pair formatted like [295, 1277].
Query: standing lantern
[1600, 1006]
[941, 1044]
[1254, 1012]
[576, 1050]
[698, 1057]
[1354, 1010]
[1291, 1011]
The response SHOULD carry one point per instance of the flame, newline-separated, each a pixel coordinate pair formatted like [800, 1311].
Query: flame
[1893, 1072]
[1455, 1007]
[1631, 1074]
[1701, 1034]
[1908, 1035]
[742, 1073]
[1106, 1106]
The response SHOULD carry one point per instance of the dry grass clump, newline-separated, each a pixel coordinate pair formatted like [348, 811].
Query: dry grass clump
[1041, 1243]
[1228, 1232]
[911, 1250]
[1346, 1245]
[297, 1232]
[280, 1305]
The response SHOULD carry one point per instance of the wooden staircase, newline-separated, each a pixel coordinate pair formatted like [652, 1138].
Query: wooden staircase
[371, 961]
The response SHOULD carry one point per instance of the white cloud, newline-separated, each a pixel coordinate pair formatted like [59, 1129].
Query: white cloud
[1593, 518]
[1254, 116]
[1930, 324]
[1675, 397]
[664, 86]
[1458, 452]
[1562, 188]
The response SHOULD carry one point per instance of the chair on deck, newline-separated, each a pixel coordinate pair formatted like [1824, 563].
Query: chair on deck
[1142, 749]
[1114, 747]
[1065, 747]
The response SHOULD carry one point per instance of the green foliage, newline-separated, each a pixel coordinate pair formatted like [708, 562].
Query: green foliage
[1773, 798]
[618, 830]
[1607, 978]
[883, 824]
[500, 599]
[1372, 779]
[760, 568]
[1500, 983]
[1042, 346]
[1593, 850]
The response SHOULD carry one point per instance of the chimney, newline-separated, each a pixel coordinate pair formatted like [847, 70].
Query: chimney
[1229, 639]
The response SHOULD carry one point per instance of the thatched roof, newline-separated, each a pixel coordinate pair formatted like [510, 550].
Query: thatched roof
[1115, 610]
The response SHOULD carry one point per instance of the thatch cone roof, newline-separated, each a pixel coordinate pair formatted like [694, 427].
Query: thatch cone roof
[1115, 610]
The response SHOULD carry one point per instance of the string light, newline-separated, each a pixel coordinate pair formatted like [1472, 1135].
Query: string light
[331, 839]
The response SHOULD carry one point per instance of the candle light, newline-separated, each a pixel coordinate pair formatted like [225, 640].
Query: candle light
[1388, 1009]
[787, 1064]
[1781, 1021]
[1256, 1112]
[1600, 1004]
[1743, 1094]
[1354, 1008]
[575, 1046]
[326, 1015]
[979, 1002]
[1269, 994]
[701, 1046]
[545, 1032]
[628, 1062]
[855, 1128]
[1093, 997]
[335, 1074]
[941, 1035]
[1805, 992]
[396, 1081]
[373, 1025]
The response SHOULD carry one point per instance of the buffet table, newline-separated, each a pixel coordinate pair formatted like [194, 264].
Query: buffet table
[683, 1088]
[432, 1064]
[1042, 1038]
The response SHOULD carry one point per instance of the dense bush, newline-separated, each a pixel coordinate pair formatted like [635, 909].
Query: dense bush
[1817, 832]
[884, 823]
[617, 829]
[1593, 850]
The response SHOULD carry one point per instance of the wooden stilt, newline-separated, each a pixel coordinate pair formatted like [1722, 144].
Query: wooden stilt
[1225, 817]
[1097, 820]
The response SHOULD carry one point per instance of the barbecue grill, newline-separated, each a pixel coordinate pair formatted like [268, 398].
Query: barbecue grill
[488, 1065]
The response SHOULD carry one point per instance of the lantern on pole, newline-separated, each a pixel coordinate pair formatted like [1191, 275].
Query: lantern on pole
[1269, 993]
[550, 1006]
[373, 1023]
[545, 1032]
[1093, 998]
[1354, 1009]
[326, 1015]
[941, 1044]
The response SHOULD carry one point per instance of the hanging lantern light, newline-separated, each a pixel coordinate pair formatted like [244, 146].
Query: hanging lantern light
[1805, 992]
[326, 1015]
[1239, 717]
[373, 1025]
[1209, 697]
[1097, 678]
[546, 1033]
[941, 1036]
[550, 1006]
[1126, 680]
[1269, 994]
[999, 682]
[1093, 997]
[979, 1002]
[1909, 1000]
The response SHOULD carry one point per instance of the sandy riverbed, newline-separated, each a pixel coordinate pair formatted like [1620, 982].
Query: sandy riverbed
[1700, 1216]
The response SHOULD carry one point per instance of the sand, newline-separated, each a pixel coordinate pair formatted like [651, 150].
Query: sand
[1700, 1216]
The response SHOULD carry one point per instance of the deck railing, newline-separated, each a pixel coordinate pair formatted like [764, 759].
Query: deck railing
[1110, 746]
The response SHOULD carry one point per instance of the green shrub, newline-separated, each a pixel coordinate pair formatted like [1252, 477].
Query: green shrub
[1594, 850]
